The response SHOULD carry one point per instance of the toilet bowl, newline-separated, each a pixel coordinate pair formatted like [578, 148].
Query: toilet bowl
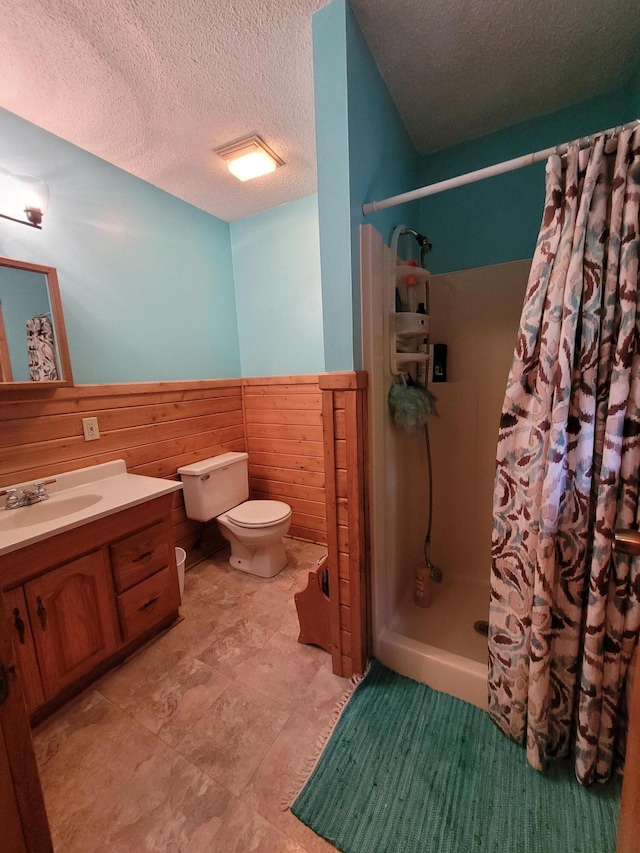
[218, 488]
[255, 530]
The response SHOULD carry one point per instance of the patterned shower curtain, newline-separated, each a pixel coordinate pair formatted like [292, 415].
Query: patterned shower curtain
[41, 350]
[565, 608]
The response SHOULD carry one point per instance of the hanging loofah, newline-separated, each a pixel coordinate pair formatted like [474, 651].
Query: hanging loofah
[410, 403]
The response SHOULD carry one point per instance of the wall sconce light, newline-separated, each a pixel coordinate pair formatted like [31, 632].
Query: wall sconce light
[249, 158]
[28, 195]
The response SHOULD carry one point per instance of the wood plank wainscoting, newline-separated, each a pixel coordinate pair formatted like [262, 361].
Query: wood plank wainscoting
[155, 427]
[283, 428]
[295, 428]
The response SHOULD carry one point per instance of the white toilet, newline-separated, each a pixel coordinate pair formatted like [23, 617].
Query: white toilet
[218, 488]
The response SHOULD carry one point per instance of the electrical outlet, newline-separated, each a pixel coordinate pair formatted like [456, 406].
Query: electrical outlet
[90, 429]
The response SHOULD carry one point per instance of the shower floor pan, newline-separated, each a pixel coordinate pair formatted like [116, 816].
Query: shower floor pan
[438, 645]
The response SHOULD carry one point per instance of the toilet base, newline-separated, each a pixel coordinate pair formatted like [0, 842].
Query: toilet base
[256, 550]
[264, 562]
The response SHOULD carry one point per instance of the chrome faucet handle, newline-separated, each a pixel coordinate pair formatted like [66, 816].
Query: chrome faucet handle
[39, 492]
[12, 498]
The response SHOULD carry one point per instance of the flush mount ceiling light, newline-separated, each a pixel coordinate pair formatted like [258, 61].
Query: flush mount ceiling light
[25, 194]
[249, 158]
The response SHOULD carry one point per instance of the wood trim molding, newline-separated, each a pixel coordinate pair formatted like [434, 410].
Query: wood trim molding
[310, 379]
[345, 439]
[332, 530]
[6, 373]
[344, 381]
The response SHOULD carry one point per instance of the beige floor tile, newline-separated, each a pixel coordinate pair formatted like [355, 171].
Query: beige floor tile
[58, 846]
[282, 774]
[324, 694]
[232, 644]
[231, 740]
[112, 785]
[109, 784]
[282, 670]
[200, 620]
[165, 691]
[290, 625]
[268, 608]
[311, 842]
[228, 585]
[244, 831]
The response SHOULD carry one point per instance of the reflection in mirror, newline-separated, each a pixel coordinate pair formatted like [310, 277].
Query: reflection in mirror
[33, 343]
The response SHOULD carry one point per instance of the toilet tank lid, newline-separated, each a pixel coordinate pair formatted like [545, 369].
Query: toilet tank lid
[197, 469]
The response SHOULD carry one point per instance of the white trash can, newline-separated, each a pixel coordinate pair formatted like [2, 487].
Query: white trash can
[181, 559]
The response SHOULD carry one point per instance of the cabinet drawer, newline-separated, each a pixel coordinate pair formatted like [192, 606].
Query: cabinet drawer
[145, 604]
[139, 556]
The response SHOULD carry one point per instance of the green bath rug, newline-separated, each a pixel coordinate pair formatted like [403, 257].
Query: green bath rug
[411, 770]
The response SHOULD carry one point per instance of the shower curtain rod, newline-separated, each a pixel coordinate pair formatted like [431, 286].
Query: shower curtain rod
[490, 171]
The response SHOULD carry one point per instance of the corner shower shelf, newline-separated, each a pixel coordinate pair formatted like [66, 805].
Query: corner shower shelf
[407, 329]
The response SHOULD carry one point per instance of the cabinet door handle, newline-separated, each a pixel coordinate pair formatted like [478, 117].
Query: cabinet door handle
[42, 613]
[144, 556]
[18, 624]
[148, 604]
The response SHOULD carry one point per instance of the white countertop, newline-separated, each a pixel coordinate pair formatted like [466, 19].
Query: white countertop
[76, 498]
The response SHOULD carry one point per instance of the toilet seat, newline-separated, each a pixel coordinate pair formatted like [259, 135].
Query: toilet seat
[258, 513]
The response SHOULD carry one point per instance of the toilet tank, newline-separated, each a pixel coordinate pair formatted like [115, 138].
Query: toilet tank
[215, 485]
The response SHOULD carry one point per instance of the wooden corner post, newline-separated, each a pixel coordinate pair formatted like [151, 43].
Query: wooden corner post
[344, 413]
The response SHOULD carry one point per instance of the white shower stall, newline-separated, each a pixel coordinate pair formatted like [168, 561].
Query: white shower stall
[476, 314]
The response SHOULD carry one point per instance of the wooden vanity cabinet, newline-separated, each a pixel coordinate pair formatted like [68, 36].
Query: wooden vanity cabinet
[85, 598]
[139, 556]
[73, 620]
[15, 605]
[147, 586]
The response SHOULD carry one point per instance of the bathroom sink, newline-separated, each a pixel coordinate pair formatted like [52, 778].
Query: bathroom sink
[52, 510]
[75, 498]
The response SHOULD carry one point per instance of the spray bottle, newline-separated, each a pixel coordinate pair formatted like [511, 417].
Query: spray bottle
[423, 593]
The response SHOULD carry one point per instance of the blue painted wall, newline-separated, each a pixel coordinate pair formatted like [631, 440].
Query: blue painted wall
[498, 219]
[363, 152]
[276, 263]
[382, 158]
[633, 94]
[332, 152]
[146, 280]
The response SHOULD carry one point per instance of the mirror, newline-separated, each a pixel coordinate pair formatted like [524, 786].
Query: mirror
[33, 340]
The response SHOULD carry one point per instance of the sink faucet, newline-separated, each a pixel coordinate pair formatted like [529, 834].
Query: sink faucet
[32, 495]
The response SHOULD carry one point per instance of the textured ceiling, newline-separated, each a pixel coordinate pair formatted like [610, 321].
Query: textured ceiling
[155, 85]
[457, 69]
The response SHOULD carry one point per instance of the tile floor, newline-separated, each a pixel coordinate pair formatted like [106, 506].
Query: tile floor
[194, 742]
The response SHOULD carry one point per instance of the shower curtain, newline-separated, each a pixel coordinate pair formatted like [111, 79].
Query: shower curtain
[565, 608]
[41, 350]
